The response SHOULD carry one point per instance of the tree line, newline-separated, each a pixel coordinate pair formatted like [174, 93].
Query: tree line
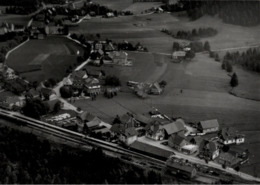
[249, 59]
[193, 34]
[12, 40]
[244, 13]
[28, 160]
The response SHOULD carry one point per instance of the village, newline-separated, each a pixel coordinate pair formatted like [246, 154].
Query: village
[152, 133]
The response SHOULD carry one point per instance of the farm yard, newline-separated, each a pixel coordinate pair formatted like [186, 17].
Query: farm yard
[38, 60]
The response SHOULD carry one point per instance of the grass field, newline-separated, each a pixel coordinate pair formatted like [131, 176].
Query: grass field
[38, 60]
[205, 96]
[15, 19]
[115, 4]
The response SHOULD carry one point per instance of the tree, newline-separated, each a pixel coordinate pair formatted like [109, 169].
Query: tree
[163, 83]
[206, 46]
[57, 107]
[176, 46]
[35, 108]
[234, 80]
[228, 66]
[225, 148]
[237, 168]
[217, 59]
[2, 58]
[66, 92]
[112, 81]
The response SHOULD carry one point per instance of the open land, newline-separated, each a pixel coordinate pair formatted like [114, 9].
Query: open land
[146, 30]
[38, 60]
[205, 96]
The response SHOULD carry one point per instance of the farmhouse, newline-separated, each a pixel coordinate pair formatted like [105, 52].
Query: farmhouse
[178, 56]
[177, 141]
[125, 135]
[143, 120]
[208, 126]
[182, 169]
[80, 74]
[159, 131]
[228, 159]
[118, 57]
[92, 86]
[86, 116]
[209, 149]
[155, 88]
[229, 136]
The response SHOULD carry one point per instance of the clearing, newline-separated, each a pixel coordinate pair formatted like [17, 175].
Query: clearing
[38, 60]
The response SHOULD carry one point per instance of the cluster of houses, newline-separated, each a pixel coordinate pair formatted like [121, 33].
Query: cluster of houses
[105, 52]
[143, 89]
[6, 27]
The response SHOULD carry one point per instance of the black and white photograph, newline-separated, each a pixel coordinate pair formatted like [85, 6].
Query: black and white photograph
[129, 91]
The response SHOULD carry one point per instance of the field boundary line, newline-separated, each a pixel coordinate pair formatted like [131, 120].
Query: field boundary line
[10, 51]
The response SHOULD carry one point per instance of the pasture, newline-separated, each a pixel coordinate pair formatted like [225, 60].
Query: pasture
[38, 60]
[146, 29]
[204, 96]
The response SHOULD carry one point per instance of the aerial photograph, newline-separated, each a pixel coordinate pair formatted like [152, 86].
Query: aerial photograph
[129, 91]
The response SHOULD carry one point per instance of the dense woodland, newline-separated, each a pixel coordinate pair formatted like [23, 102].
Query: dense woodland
[238, 12]
[249, 59]
[193, 34]
[27, 160]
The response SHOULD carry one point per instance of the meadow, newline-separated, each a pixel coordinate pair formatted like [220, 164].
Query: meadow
[38, 60]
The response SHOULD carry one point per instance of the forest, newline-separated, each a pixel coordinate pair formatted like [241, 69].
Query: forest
[249, 59]
[242, 12]
[27, 160]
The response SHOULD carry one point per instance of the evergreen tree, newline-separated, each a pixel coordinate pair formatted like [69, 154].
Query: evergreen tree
[234, 80]
[206, 46]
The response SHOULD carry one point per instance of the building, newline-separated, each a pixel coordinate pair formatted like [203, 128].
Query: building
[11, 102]
[208, 126]
[181, 169]
[142, 119]
[92, 86]
[178, 56]
[229, 136]
[94, 73]
[209, 150]
[80, 74]
[86, 117]
[33, 93]
[155, 131]
[119, 57]
[228, 159]
[173, 127]
[126, 135]
[155, 89]
[177, 141]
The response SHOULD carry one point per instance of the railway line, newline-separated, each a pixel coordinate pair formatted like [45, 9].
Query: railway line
[83, 140]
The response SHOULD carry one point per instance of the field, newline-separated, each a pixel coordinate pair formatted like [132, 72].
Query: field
[115, 4]
[146, 29]
[15, 19]
[204, 96]
[38, 60]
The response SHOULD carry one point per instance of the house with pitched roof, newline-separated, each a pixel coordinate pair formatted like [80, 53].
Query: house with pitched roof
[142, 119]
[80, 74]
[228, 158]
[86, 117]
[126, 135]
[129, 120]
[229, 136]
[209, 149]
[118, 57]
[155, 89]
[181, 169]
[177, 141]
[92, 86]
[208, 126]
[158, 130]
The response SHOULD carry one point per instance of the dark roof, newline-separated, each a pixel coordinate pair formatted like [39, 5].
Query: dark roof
[94, 72]
[86, 116]
[181, 167]
[209, 124]
[78, 74]
[47, 91]
[150, 149]
[129, 132]
[118, 128]
[95, 122]
[143, 119]
[173, 127]
[52, 103]
[208, 145]
[176, 139]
